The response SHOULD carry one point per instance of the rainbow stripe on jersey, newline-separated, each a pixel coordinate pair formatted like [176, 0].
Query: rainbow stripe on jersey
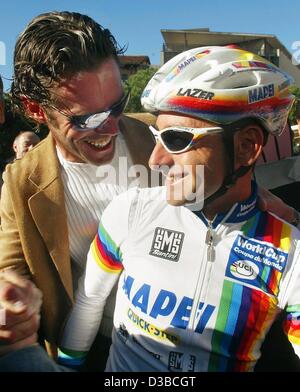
[248, 302]
[267, 228]
[105, 252]
[243, 315]
[292, 324]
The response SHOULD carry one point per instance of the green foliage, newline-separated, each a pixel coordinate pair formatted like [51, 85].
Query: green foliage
[296, 91]
[14, 124]
[137, 83]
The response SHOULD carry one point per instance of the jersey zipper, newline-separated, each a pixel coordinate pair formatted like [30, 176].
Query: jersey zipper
[203, 277]
[209, 241]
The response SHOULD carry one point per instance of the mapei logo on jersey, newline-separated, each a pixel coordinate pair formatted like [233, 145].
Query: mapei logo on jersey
[195, 93]
[167, 244]
[164, 308]
[261, 93]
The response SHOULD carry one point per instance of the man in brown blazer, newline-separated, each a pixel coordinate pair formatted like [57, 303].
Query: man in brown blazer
[66, 76]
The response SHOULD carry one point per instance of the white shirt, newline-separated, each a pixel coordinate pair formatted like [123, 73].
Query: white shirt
[88, 190]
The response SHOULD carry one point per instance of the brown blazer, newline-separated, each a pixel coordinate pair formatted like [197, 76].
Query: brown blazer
[34, 232]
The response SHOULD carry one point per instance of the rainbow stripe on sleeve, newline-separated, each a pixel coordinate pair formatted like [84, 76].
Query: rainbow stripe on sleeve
[105, 252]
[292, 324]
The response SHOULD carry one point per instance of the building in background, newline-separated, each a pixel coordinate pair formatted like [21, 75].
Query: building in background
[129, 65]
[265, 45]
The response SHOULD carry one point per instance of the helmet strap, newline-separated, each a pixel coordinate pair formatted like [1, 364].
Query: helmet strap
[233, 175]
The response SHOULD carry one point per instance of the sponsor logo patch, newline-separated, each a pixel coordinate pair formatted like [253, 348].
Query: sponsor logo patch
[257, 263]
[244, 269]
[167, 244]
[195, 93]
[164, 305]
[181, 66]
[261, 93]
[151, 329]
[179, 362]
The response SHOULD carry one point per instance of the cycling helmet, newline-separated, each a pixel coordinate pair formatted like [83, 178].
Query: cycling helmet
[227, 86]
[222, 85]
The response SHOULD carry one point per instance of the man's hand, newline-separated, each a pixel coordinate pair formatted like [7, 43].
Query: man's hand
[269, 202]
[20, 303]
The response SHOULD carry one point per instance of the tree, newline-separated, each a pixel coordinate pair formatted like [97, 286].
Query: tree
[137, 83]
[292, 116]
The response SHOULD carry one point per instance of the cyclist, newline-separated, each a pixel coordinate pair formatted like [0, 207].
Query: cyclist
[204, 272]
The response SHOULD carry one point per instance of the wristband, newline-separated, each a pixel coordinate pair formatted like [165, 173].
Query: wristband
[71, 359]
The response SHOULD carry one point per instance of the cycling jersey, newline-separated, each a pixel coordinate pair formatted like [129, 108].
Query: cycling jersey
[193, 295]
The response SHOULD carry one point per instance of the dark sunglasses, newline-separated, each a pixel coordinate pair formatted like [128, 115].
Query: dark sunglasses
[96, 120]
[180, 139]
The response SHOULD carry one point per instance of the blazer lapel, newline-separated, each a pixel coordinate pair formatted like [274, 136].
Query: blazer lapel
[138, 140]
[47, 206]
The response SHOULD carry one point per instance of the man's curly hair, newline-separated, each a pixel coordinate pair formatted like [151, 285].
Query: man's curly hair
[53, 47]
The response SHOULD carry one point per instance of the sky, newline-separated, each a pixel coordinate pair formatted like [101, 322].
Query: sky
[137, 23]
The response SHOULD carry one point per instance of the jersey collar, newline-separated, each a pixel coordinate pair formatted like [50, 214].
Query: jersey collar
[239, 212]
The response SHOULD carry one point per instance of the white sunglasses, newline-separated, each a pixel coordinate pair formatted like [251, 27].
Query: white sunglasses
[180, 139]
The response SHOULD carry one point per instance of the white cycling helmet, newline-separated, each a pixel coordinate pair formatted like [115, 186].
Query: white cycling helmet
[222, 85]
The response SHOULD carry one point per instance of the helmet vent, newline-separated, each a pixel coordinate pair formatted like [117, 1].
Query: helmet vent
[235, 81]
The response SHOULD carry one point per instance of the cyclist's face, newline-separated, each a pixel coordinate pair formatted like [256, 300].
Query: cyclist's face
[198, 170]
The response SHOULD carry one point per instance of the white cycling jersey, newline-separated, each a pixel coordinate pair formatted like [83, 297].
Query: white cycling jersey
[193, 295]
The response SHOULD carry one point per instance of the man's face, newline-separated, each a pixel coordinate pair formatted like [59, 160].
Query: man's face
[85, 93]
[186, 171]
[25, 143]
